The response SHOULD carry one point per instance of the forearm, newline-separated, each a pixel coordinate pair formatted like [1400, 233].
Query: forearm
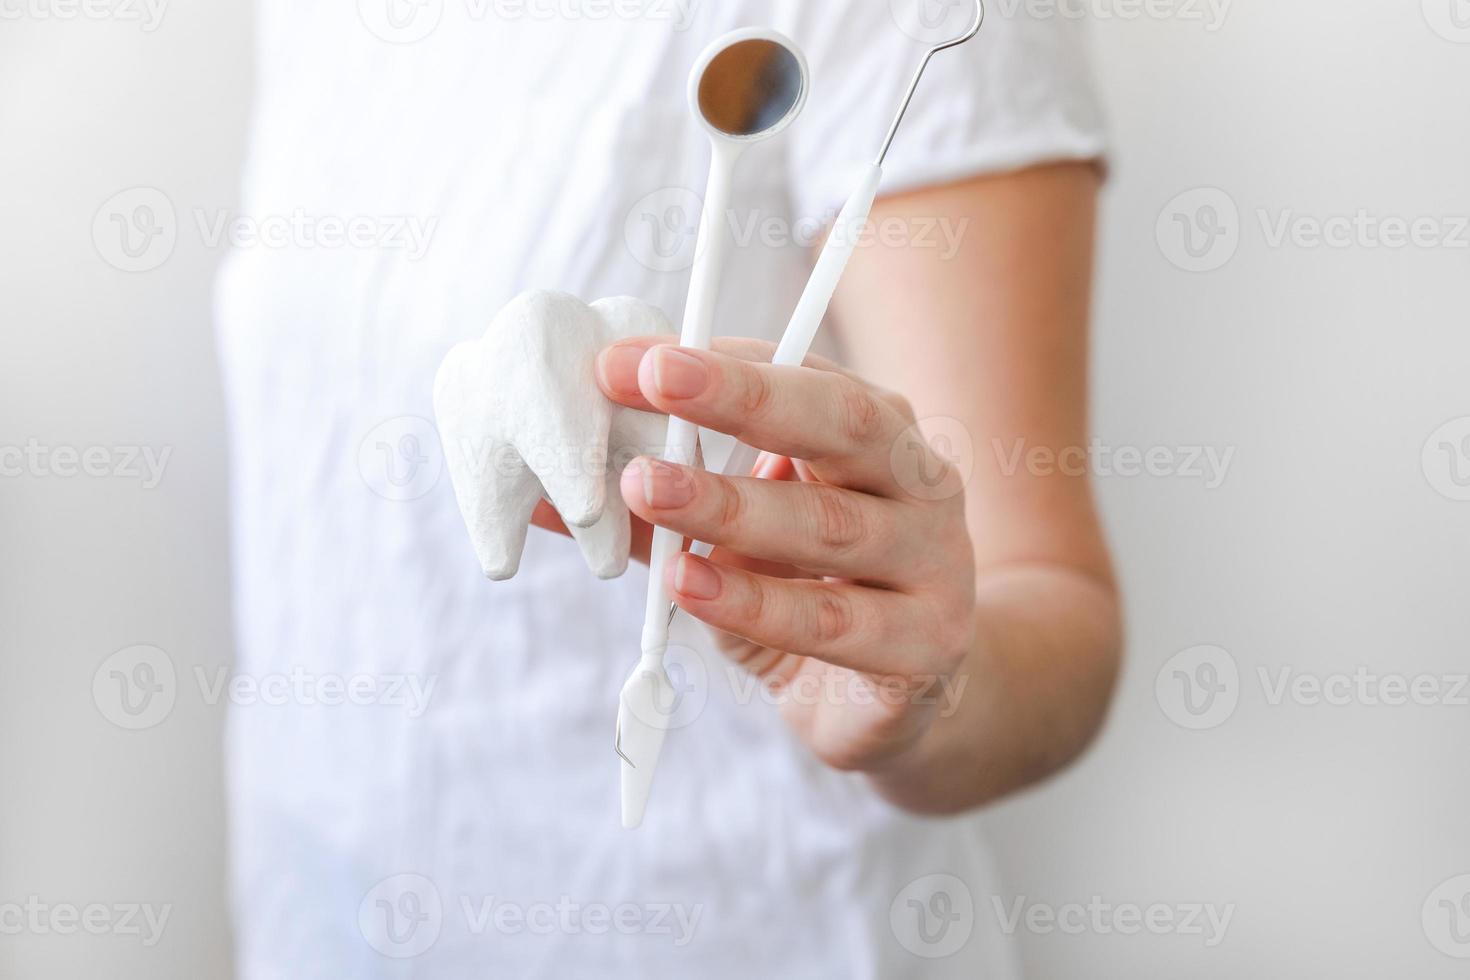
[1005, 352]
[1028, 700]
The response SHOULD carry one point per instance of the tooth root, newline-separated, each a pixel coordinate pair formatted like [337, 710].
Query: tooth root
[562, 432]
[501, 517]
[606, 544]
[572, 469]
[490, 480]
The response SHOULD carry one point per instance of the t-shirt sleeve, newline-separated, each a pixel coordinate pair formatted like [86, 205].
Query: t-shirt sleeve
[1019, 94]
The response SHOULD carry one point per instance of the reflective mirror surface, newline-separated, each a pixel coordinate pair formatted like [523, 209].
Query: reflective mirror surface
[750, 87]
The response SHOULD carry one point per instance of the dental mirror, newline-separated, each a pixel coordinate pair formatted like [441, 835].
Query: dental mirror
[751, 89]
[843, 239]
[746, 87]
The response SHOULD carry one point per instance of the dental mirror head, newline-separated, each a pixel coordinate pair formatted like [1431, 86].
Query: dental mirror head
[749, 85]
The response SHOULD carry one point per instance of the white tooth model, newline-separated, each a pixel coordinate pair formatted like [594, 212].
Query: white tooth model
[521, 418]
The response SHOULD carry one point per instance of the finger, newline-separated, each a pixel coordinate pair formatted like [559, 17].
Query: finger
[823, 529]
[546, 518]
[818, 416]
[769, 466]
[842, 624]
[617, 366]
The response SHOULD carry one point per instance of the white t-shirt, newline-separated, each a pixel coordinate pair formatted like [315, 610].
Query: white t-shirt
[383, 828]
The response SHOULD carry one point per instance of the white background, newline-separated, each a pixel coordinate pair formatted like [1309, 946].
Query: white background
[1330, 546]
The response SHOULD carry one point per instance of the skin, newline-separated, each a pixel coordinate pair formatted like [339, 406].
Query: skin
[956, 634]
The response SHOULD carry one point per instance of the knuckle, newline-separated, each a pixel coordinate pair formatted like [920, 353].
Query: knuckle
[732, 505]
[832, 616]
[745, 348]
[860, 414]
[899, 403]
[838, 519]
[756, 393]
[757, 601]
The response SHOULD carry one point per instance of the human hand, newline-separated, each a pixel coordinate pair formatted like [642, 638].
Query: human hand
[830, 581]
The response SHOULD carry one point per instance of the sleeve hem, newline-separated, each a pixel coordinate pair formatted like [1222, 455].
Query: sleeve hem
[978, 161]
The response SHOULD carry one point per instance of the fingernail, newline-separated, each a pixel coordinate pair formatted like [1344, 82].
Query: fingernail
[665, 487]
[617, 369]
[677, 374]
[696, 579]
